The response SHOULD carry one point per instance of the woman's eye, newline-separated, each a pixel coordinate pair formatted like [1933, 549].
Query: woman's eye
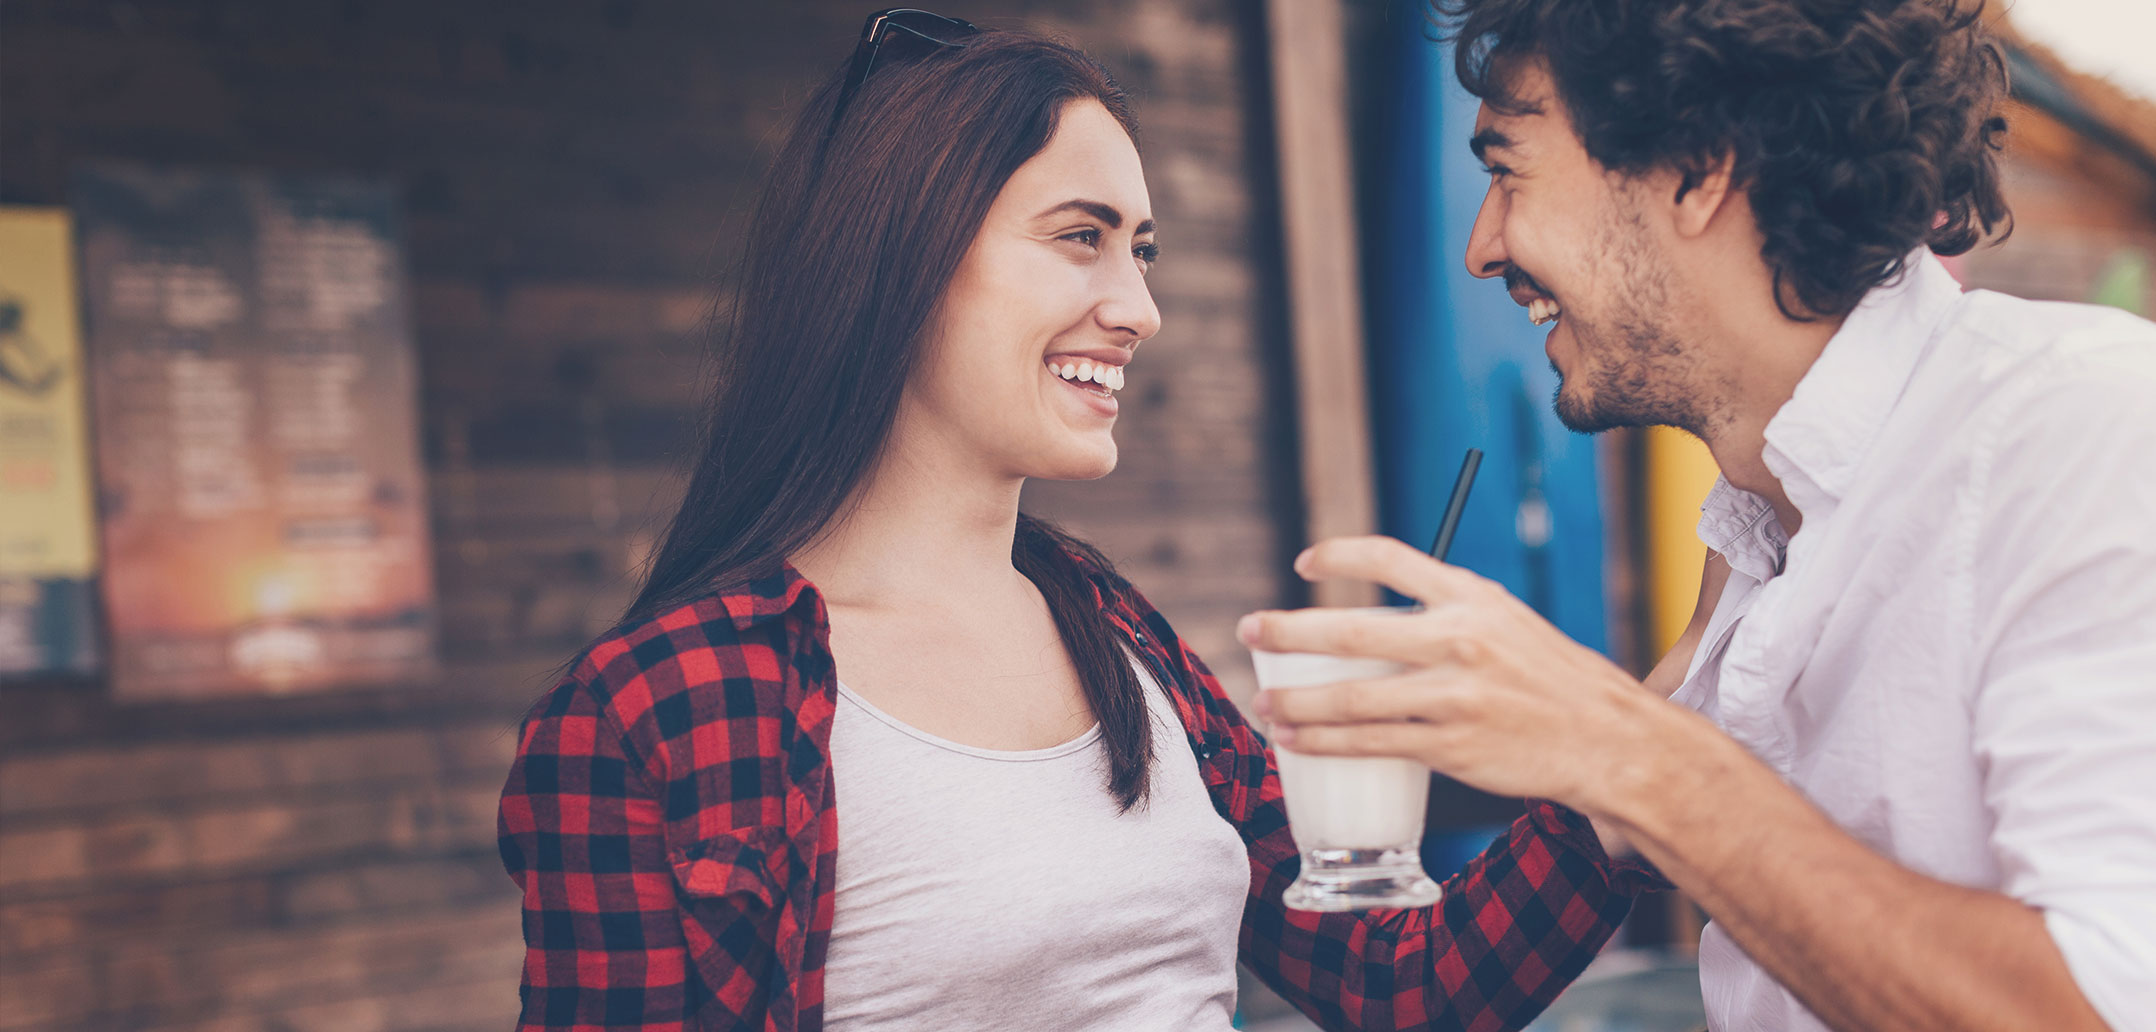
[1147, 254]
[1088, 237]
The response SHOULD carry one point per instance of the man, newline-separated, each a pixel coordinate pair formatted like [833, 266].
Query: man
[1908, 759]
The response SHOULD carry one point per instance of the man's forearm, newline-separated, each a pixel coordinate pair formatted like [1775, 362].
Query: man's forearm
[1502, 700]
[1864, 942]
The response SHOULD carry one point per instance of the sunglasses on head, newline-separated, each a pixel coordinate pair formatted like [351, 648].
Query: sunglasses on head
[892, 35]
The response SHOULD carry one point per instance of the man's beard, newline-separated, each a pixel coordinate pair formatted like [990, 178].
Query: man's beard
[1632, 380]
[1633, 370]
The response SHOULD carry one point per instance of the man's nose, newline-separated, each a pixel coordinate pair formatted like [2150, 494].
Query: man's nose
[1486, 256]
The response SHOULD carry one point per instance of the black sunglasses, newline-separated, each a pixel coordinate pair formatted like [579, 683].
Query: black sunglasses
[916, 26]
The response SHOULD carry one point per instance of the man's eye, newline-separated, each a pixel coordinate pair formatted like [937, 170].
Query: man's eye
[1496, 171]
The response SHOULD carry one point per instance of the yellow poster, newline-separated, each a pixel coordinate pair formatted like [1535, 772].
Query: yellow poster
[1680, 472]
[48, 532]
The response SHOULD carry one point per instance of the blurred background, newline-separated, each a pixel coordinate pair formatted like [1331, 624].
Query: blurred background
[350, 351]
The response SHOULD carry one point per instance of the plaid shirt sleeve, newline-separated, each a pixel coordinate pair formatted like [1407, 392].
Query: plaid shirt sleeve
[1515, 926]
[646, 905]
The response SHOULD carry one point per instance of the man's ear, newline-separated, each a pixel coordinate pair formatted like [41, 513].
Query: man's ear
[1701, 190]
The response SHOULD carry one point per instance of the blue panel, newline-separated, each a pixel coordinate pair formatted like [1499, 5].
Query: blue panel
[1455, 364]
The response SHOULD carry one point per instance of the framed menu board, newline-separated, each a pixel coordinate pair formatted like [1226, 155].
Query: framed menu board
[48, 537]
[254, 400]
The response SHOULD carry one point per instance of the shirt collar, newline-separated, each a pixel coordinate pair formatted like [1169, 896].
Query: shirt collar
[1819, 438]
[1740, 526]
[768, 597]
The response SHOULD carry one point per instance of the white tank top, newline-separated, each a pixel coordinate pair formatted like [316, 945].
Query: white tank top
[987, 890]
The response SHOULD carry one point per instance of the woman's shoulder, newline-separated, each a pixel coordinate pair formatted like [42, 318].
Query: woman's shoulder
[646, 666]
[1038, 536]
[1124, 599]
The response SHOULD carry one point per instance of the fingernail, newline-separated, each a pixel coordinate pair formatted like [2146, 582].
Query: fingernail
[1263, 705]
[1302, 560]
[1246, 629]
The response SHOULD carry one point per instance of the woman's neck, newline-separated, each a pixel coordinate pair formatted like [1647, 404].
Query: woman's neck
[921, 526]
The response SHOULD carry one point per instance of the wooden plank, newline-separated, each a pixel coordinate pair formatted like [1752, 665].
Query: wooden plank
[488, 1003]
[60, 716]
[277, 970]
[411, 819]
[73, 925]
[78, 783]
[33, 934]
[1309, 64]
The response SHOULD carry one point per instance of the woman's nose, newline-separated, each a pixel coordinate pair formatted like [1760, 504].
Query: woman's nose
[1129, 307]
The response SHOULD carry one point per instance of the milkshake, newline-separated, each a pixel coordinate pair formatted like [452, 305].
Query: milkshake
[1356, 819]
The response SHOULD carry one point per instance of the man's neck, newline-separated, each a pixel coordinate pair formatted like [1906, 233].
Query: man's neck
[918, 510]
[1762, 355]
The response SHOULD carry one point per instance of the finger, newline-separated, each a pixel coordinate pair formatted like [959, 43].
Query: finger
[1387, 561]
[1396, 635]
[1420, 695]
[1406, 740]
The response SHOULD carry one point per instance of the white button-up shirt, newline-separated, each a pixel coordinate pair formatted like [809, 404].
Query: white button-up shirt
[1955, 656]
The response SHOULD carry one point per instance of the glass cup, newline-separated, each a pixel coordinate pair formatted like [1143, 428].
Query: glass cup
[1356, 819]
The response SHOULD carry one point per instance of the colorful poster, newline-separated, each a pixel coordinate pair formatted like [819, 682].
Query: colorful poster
[48, 551]
[255, 404]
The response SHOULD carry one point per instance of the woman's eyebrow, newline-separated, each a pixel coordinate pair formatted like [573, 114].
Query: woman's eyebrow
[1104, 212]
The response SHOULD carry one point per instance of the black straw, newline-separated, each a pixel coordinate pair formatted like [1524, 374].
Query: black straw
[1451, 523]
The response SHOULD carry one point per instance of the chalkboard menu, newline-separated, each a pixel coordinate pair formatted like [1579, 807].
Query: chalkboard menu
[262, 500]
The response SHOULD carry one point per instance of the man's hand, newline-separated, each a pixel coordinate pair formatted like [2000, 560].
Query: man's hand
[1498, 698]
[1495, 696]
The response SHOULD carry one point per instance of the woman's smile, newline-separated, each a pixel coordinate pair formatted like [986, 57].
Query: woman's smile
[1093, 380]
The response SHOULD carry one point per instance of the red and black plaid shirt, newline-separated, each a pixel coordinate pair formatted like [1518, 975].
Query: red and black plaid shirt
[670, 820]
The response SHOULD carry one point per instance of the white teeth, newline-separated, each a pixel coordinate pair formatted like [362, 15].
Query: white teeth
[1083, 371]
[1542, 310]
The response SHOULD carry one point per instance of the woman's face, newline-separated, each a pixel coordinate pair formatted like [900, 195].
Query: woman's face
[1034, 335]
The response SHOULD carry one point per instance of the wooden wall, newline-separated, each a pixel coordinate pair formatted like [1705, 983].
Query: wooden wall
[574, 176]
[2080, 211]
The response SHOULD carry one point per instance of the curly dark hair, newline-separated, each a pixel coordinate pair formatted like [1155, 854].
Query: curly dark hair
[1858, 128]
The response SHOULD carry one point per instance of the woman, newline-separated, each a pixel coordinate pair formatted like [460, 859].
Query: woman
[873, 749]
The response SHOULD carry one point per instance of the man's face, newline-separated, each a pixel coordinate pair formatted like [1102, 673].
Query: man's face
[1576, 247]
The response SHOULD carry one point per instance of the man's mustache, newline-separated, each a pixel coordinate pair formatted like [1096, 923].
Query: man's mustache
[1516, 277]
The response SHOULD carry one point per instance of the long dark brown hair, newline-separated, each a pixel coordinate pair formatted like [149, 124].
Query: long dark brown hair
[847, 257]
